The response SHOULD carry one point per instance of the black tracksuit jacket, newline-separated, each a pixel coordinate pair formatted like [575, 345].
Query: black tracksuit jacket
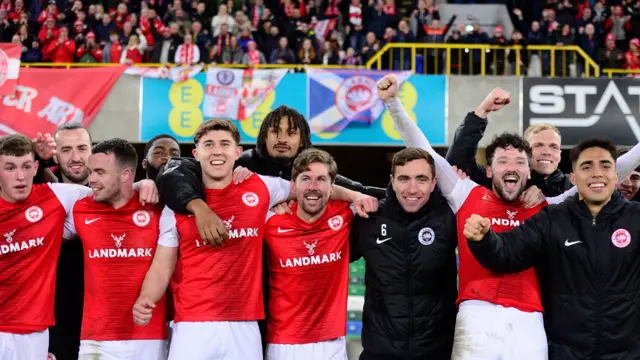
[589, 270]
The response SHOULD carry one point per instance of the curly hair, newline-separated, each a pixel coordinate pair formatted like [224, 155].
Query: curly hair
[296, 122]
[507, 140]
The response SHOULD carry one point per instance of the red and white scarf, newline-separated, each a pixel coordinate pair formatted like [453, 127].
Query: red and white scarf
[226, 42]
[257, 13]
[186, 53]
[254, 57]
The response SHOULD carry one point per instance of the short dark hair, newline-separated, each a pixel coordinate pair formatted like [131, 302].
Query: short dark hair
[602, 143]
[310, 156]
[272, 120]
[404, 156]
[217, 125]
[16, 145]
[149, 144]
[71, 126]
[122, 150]
[508, 140]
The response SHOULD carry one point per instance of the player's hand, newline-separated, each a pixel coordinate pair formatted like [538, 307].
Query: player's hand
[142, 311]
[388, 87]
[495, 101]
[365, 204]
[241, 174]
[44, 146]
[461, 174]
[532, 197]
[212, 230]
[148, 192]
[476, 227]
[283, 208]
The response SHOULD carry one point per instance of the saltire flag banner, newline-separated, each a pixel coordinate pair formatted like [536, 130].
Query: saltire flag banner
[237, 93]
[47, 98]
[9, 67]
[323, 27]
[177, 73]
[339, 97]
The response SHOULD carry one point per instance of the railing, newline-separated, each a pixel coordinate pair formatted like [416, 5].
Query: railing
[298, 67]
[474, 59]
[620, 72]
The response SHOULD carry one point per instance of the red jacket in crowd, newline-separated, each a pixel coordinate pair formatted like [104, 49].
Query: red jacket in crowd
[60, 53]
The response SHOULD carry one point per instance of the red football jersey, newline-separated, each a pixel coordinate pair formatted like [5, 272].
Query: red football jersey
[32, 235]
[308, 275]
[119, 245]
[224, 283]
[519, 290]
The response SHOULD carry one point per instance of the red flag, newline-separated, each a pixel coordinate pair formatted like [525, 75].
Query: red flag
[47, 98]
[9, 67]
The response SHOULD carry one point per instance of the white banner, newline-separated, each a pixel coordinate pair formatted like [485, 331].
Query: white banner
[237, 93]
[177, 73]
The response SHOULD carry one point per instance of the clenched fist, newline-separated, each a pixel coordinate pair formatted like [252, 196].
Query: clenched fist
[495, 101]
[388, 87]
[476, 227]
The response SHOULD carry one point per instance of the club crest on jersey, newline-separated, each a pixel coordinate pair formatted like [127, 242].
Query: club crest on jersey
[311, 247]
[33, 214]
[51, 357]
[118, 239]
[141, 218]
[621, 238]
[426, 236]
[250, 199]
[335, 223]
[228, 223]
[512, 214]
[9, 236]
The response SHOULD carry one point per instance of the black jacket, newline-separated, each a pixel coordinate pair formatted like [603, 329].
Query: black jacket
[462, 153]
[184, 182]
[410, 297]
[590, 286]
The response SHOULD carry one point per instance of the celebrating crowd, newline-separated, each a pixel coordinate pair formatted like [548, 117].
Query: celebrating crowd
[248, 257]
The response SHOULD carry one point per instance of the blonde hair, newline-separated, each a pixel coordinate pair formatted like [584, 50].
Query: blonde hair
[534, 129]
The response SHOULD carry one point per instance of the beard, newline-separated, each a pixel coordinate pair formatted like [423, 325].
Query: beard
[77, 179]
[152, 172]
[504, 195]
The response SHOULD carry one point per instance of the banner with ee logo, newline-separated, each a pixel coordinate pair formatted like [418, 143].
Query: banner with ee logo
[177, 109]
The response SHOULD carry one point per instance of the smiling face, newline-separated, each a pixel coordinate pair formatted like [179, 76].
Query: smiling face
[413, 183]
[629, 186]
[594, 173]
[73, 148]
[509, 172]
[217, 149]
[546, 152]
[313, 188]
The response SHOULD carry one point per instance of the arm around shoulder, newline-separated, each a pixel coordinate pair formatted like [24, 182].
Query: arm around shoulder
[179, 182]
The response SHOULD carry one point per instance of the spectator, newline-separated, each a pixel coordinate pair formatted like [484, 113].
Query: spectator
[104, 29]
[23, 35]
[112, 51]
[121, 15]
[166, 45]
[16, 40]
[214, 55]
[354, 28]
[253, 56]
[61, 50]
[422, 19]
[456, 54]
[475, 36]
[307, 54]
[202, 17]
[394, 17]
[563, 58]
[187, 53]
[329, 55]
[632, 56]
[223, 39]
[371, 47]
[222, 18]
[242, 20]
[589, 42]
[245, 37]
[351, 58]
[566, 12]
[377, 18]
[402, 58]
[610, 57]
[497, 57]
[89, 52]
[233, 53]
[17, 12]
[50, 11]
[271, 41]
[304, 33]
[434, 34]
[135, 49]
[127, 31]
[283, 54]
[33, 54]
[256, 13]
[618, 24]
[514, 59]
[48, 34]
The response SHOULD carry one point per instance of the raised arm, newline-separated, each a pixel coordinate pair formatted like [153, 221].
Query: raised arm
[463, 150]
[510, 251]
[378, 193]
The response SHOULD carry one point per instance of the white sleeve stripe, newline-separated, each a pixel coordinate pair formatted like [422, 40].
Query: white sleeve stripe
[168, 233]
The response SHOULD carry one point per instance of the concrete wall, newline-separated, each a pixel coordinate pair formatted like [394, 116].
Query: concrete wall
[465, 93]
[120, 113]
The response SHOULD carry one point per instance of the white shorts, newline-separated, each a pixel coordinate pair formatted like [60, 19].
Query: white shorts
[123, 350]
[34, 346]
[489, 331]
[228, 340]
[335, 349]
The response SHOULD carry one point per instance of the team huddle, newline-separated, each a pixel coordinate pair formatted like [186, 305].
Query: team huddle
[244, 255]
